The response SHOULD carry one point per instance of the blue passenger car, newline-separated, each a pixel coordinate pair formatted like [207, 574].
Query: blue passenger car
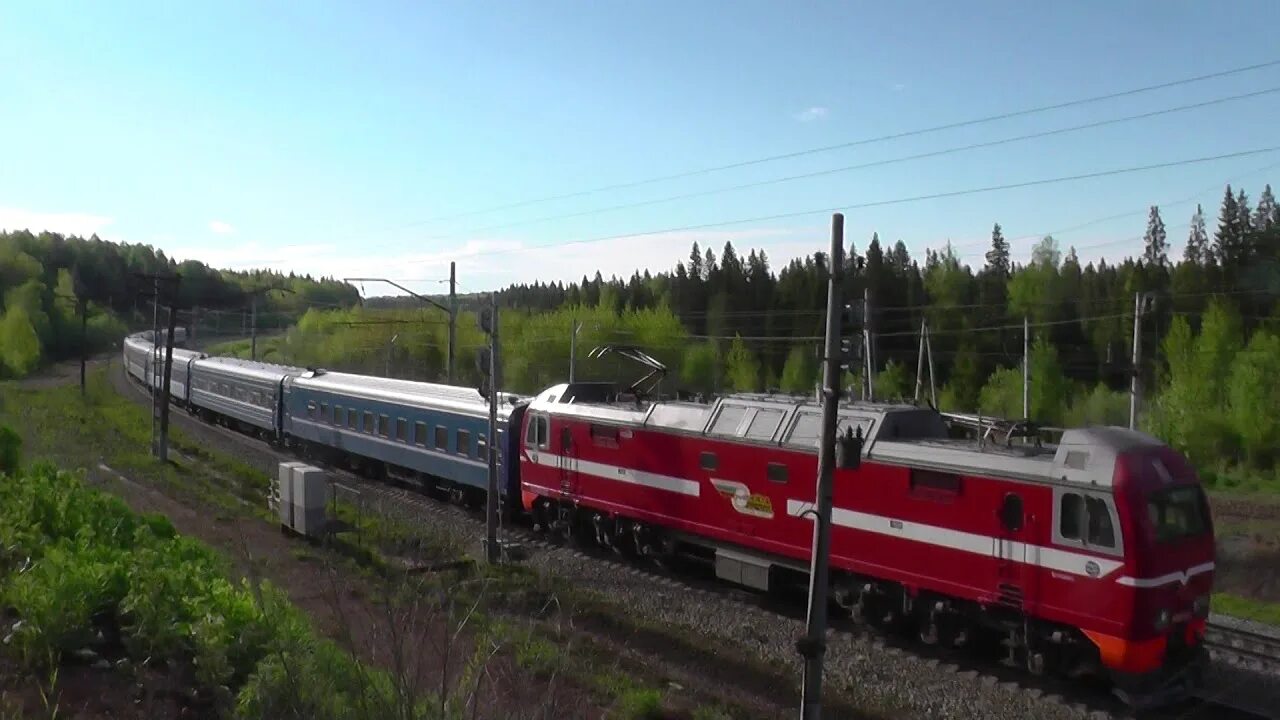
[438, 431]
[243, 391]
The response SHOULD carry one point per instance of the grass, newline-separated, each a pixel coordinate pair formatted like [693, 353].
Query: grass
[1237, 480]
[1241, 607]
[59, 425]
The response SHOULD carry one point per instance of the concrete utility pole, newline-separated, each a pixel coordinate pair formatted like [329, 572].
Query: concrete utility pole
[813, 646]
[155, 357]
[1140, 302]
[1026, 368]
[453, 320]
[253, 327]
[868, 381]
[920, 359]
[163, 453]
[84, 340]
[390, 345]
[573, 349]
[491, 549]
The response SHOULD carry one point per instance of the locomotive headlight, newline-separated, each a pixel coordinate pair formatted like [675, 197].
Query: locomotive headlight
[1162, 621]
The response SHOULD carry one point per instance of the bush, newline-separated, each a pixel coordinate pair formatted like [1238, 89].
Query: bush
[74, 560]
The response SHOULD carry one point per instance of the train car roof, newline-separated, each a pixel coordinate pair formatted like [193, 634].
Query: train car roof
[238, 367]
[425, 395]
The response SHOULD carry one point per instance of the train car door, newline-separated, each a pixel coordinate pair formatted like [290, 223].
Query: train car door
[1012, 554]
[566, 463]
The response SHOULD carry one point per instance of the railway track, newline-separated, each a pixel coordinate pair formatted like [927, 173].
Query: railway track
[1244, 648]
[1241, 649]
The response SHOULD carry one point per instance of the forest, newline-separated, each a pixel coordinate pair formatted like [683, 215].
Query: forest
[724, 322]
[46, 280]
[721, 322]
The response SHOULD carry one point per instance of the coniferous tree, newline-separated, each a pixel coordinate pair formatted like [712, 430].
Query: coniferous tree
[1155, 248]
[998, 255]
[1267, 215]
[1196, 251]
[1230, 235]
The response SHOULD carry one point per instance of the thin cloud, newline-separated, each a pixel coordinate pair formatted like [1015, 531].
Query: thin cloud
[899, 87]
[81, 224]
[220, 227]
[811, 114]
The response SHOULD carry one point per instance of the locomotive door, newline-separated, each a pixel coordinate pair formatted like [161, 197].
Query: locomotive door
[1011, 554]
[566, 465]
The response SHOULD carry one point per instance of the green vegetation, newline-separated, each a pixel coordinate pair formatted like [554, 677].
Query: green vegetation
[60, 426]
[47, 279]
[1242, 607]
[79, 570]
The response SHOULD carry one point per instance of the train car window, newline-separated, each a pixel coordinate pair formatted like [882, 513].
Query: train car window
[324, 412]
[464, 442]
[604, 436]
[765, 424]
[1101, 531]
[420, 434]
[311, 409]
[777, 472]
[384, 426]
[728, 420]
[482, 447]
[368, 422]
[531, 432]
[402, 430]
[708, 461]
[442, 438]
[934, 485]
[806, 429]
[339, 416]
[353, 416]
[1070, 510]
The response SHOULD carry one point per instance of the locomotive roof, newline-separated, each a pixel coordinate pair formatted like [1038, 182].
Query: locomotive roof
[412, 392]
[901, 434]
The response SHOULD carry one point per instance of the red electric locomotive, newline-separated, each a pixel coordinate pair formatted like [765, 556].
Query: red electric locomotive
[1095, 553]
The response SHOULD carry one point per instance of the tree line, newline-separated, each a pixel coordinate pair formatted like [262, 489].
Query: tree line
[46, 278]
[725, 323]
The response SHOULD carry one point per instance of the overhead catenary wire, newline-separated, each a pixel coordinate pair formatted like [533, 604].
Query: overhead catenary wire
[881, 203]
[859, 166]
[853, 143]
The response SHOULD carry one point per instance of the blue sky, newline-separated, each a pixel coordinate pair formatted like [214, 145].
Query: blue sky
[320, 136]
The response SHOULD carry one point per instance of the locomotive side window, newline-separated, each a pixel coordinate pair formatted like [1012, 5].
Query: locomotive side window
[777, 472]
[538, 433]
[1101, 531]
[728, 420]
[806, 429]
[709, 461]
[1087, 521]
[1070, 511]
[764, 424]
[934, 485]
[604, 436]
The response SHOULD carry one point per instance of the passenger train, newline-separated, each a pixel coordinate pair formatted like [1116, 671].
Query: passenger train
[1092, 555]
